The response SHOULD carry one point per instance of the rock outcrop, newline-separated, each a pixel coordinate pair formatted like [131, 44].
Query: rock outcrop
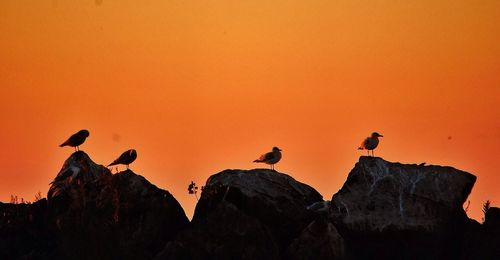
[320, 240]
[99, 215]
[384, 210]
[491, 234]
[398, 211]
[242, 214]
[23, 232]
[93, 214]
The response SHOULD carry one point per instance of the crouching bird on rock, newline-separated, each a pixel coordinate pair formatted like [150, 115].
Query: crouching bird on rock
[270, 158]
[125, 158]
[76, 139]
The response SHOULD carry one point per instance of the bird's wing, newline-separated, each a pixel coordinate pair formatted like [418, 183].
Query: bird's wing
[115, 162]
[74, 138]
[121, 159]
[268, 156]
[65, 143]
[363, 144]
[265, 157]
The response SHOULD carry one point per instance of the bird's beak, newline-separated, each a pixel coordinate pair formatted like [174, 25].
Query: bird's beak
[280, 150]
[381, 135]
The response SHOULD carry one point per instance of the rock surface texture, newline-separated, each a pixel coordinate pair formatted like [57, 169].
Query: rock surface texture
[401, 211]
[92, 214]
[242, 214]
[23, 232]
[384, 210]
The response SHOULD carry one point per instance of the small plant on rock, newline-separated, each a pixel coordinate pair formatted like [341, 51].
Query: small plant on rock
[486, 207]
[38, 196]
[193, 189]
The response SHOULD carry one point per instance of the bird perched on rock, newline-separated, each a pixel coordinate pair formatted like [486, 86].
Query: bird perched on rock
[125, 158]
[270, 158]
[370, 143]
[77, 139]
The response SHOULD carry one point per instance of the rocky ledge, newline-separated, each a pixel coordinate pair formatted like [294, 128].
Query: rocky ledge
[401, 211]
[245, 215]
[384, 210]
[93, 214]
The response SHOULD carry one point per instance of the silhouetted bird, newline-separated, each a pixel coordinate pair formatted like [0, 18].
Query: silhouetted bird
[76, 140]
[370, 143]
[271, 157]
[125, 158]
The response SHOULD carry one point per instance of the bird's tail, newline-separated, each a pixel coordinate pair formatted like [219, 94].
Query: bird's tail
[63, 144]
[361, 148]
[257, 160]
[111, 164]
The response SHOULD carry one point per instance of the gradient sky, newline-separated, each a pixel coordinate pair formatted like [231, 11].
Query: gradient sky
[201, 86]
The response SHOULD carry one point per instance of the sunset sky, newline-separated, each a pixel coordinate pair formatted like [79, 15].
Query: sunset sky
[197, 87]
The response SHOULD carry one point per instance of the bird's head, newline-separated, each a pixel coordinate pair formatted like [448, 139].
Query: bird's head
[84, 132]
[375, 134]
[276, 149]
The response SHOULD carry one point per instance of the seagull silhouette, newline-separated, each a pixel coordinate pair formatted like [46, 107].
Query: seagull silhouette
[270, 158]
[370, 143]
[76, 139]
[126, 158]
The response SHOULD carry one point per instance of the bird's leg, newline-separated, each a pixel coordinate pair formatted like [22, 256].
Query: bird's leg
[127, 166]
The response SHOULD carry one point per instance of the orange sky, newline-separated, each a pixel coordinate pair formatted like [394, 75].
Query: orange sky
[200, 86]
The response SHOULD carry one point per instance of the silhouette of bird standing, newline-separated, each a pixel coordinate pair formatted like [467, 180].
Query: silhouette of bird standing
[270, 158]
[77, 139]
[125, 158]
[370, 143]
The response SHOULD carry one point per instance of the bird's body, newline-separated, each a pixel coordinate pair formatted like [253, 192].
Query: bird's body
[125, 158]
[370, 143]
[270, 158]
[76, 139]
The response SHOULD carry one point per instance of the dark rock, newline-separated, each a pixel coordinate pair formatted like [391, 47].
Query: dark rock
[384, 211]
[320, 240]
[480, 241]
[397, 211]
[490, 236]
[227, 233]
[95, 214]
[22, 231]
[492, 220]
[242, 214]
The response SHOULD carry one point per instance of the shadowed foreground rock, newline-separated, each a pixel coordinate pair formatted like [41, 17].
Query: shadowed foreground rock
[491, 234]
[320, 240]
[398, 211]
[23, 232]
[92, 214]
[383, 211]
[99, 215]
[245, 215]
